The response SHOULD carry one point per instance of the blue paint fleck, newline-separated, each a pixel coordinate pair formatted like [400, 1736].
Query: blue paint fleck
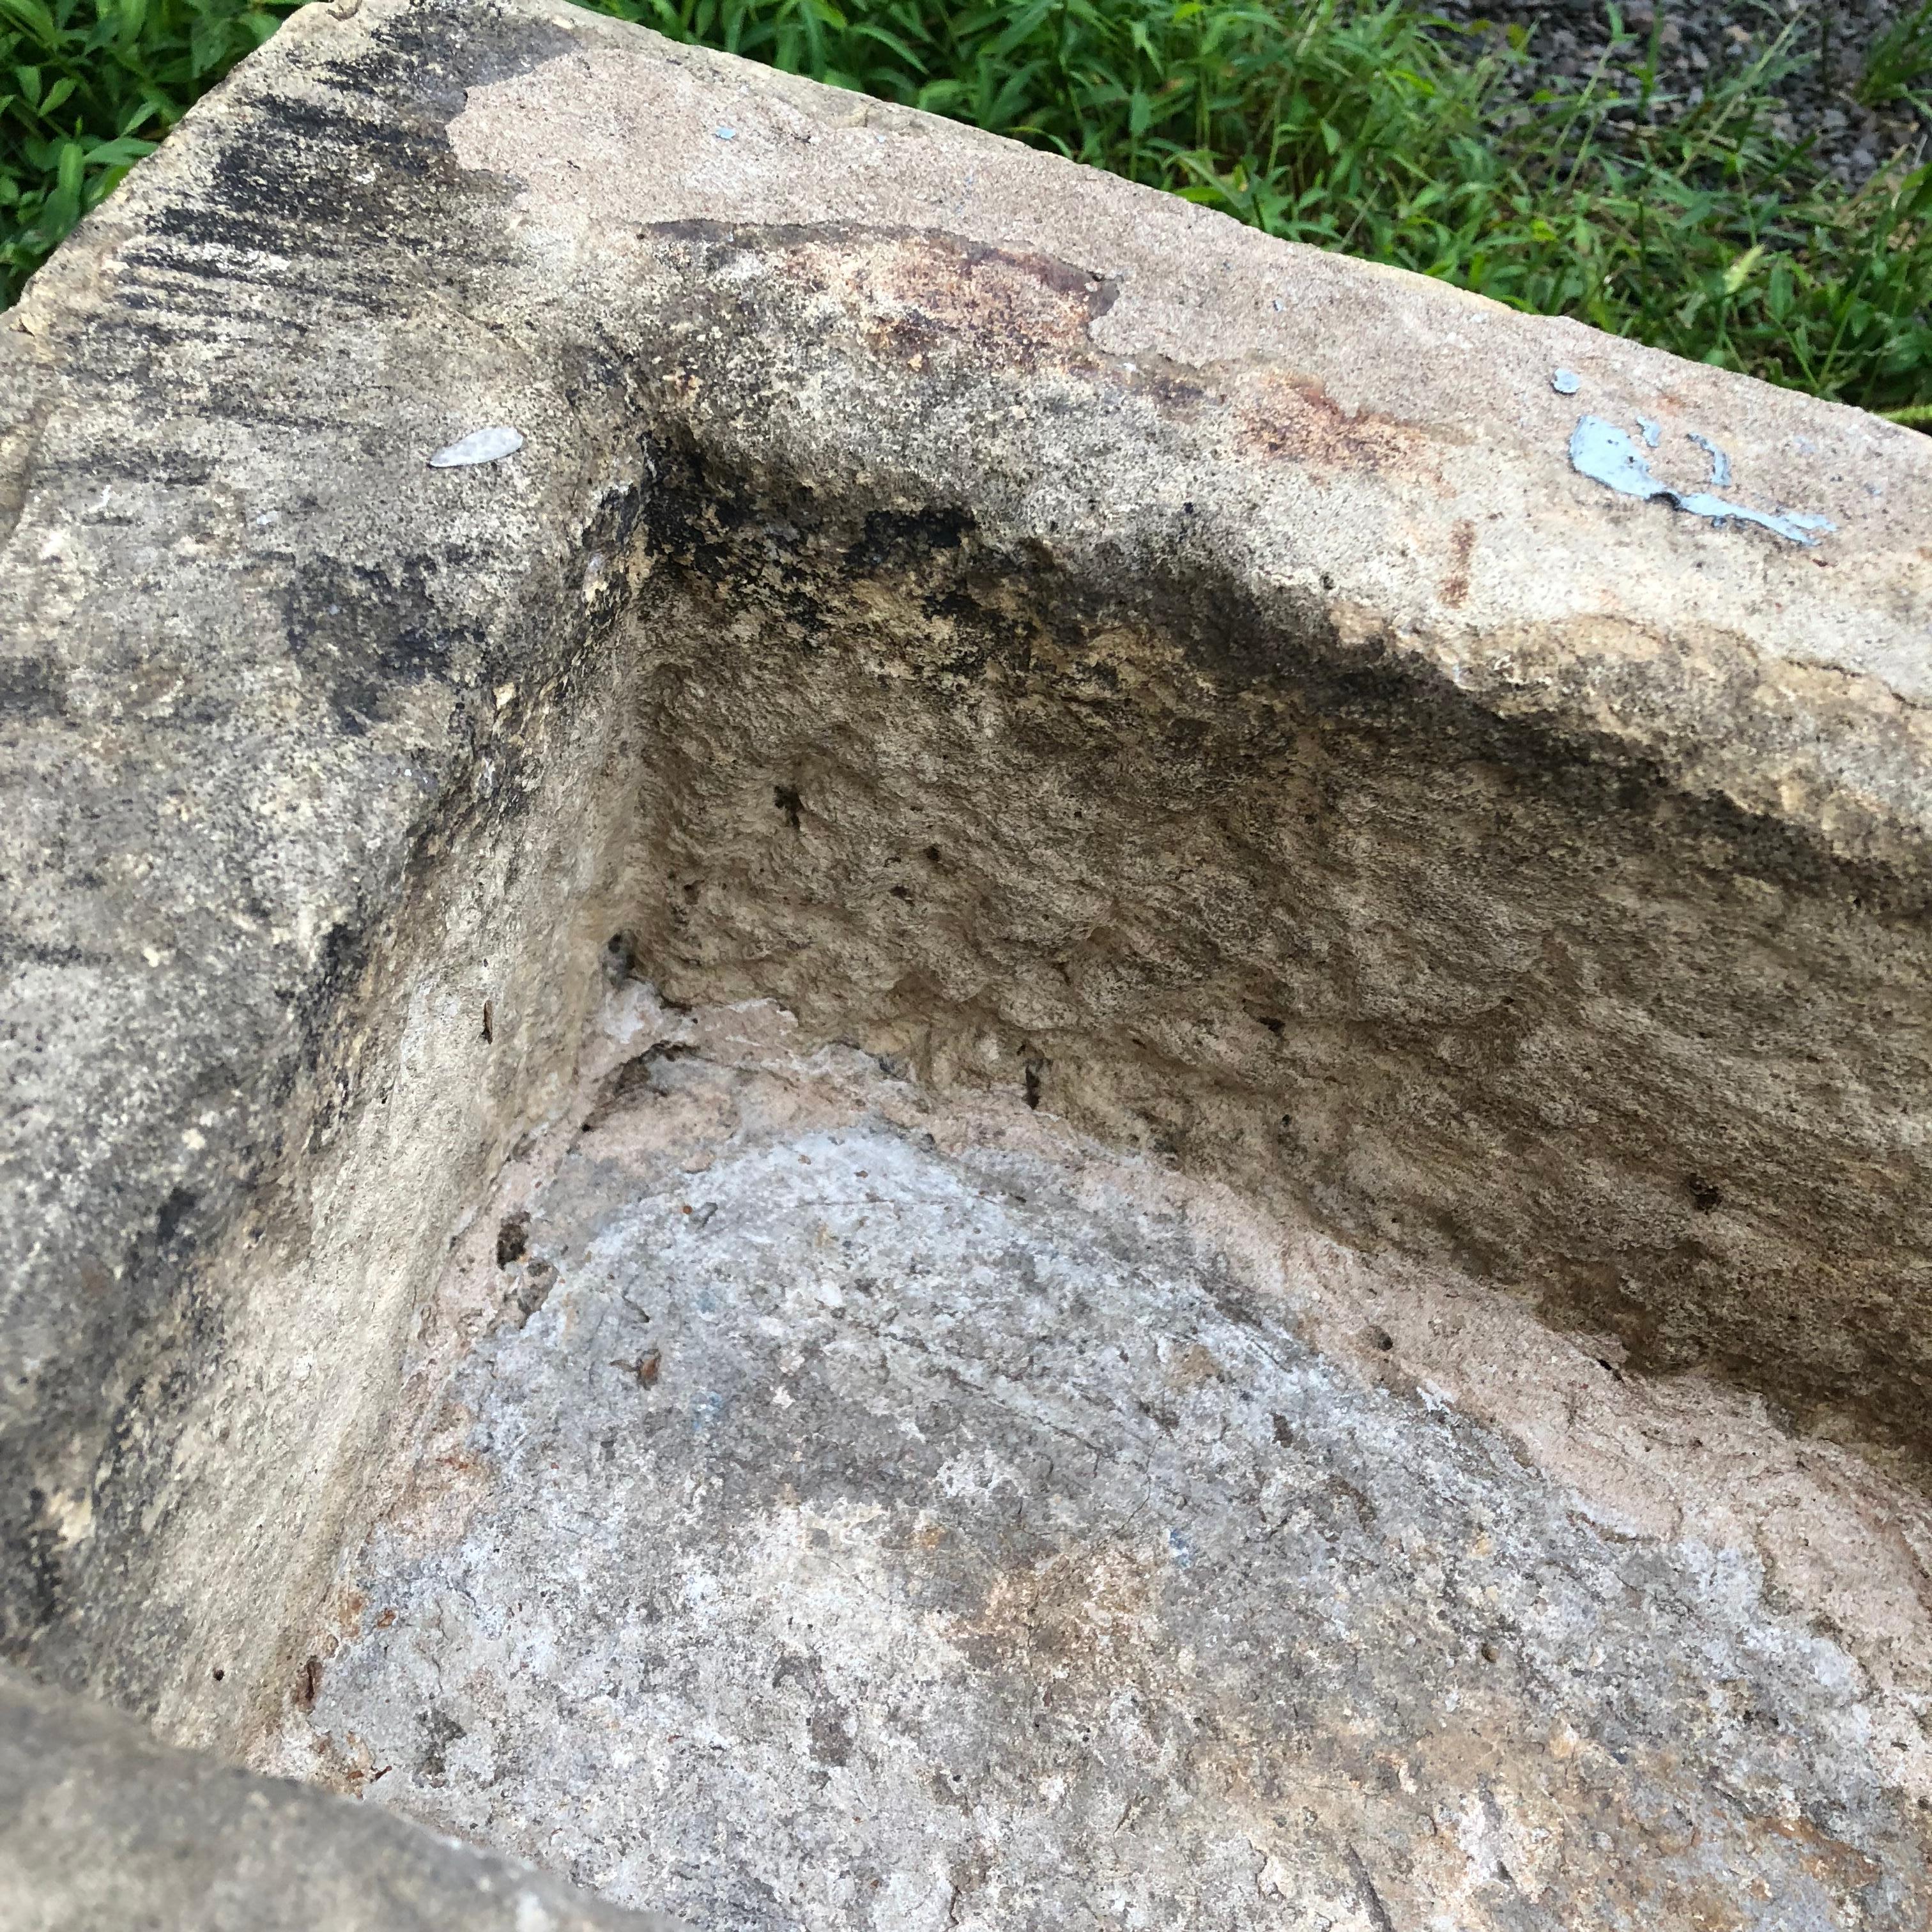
[1605, 454]
[1720, 464]
[1566, 382]
[1653, 432]
[1181, 1549]
[725, 134]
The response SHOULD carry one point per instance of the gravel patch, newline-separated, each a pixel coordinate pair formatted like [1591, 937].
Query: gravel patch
[1698, 42]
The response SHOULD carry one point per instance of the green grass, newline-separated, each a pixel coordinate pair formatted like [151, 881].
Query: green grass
[1899, 64]
[90, 86]
[1348, 124]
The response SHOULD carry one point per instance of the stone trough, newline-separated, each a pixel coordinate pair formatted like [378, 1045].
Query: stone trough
[891, 1041]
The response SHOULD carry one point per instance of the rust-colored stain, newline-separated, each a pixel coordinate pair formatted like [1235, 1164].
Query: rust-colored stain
[1830, 1860]
[926, 300]
[1193, 1367]
[308, 1683]
[914, 292]
[1090, 1611]
[994, 307]
[1295, 419]
[1455, 585]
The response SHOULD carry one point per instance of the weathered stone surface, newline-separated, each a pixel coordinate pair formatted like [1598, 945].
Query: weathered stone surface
[102, 1829]
[833, 1508]
[1044, 635]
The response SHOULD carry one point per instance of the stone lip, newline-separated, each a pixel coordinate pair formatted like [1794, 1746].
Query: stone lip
[1570, 852]
[101, 1827]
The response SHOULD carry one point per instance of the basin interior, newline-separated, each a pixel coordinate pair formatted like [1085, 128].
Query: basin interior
[1296, 1046]
[1233, 1198]
[820, 1503]
[1011, 1390]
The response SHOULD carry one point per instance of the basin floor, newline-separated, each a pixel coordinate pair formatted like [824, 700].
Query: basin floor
[838, 1524]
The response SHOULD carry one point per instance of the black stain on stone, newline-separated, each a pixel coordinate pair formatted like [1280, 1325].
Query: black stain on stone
[830, 1732]
[365, 635]
[173, 1217]
[892, 540]
[31, 687]
[829, 1724]
[38, 1593]
[440, 1731]
[1036, 1071]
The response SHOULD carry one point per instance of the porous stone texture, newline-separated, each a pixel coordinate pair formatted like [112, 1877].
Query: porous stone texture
[831, 1509]
[103, 1829]
[1038, 633]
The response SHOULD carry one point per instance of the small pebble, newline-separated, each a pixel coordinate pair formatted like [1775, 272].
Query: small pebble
[481, 445]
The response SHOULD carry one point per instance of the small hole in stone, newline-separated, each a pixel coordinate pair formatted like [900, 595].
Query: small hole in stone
[620, 956]
[513, 1240]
